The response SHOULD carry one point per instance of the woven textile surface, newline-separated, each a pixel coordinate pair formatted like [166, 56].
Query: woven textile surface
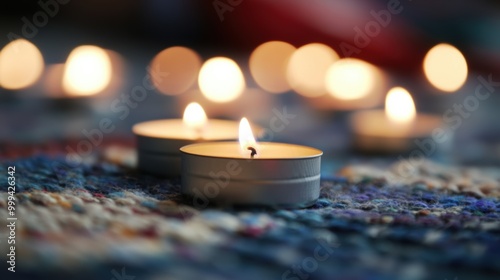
[100, 220]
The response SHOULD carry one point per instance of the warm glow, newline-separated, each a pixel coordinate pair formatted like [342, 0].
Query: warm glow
[194, 116]
[350, 79]
[174, 70]
[445, 67]
[307, 69]
[246, 137]
[268, 64]
[21, 64]
[399, 106]
[221, 80]
[87, 71]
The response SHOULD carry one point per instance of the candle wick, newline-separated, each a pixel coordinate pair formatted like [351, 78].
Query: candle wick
[199, 132]
[254, 152]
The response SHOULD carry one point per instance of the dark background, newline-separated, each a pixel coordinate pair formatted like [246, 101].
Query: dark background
[138, 30]
[472, 26]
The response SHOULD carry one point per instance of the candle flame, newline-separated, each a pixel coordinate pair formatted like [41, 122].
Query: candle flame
[399, 106]
[194, 116]
[87, 71]
[247, 141]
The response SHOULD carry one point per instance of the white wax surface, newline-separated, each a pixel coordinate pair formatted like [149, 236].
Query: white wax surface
[265, 150]
[176, 129]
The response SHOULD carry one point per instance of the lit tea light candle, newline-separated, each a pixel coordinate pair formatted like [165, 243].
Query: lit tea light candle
[159, 141]
[394, 130]
[251, 173]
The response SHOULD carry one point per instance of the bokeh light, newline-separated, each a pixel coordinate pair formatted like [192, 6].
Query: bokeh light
[399, 106]
[445, 67]
[307, 69]
[350, 79]
[174, 70]
[87, 71]
[21, 64]
[268, 65]
[221, 80]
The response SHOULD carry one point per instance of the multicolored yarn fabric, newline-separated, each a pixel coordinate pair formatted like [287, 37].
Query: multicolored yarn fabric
[103, 221]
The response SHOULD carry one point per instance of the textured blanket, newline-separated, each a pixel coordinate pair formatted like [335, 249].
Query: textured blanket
[100, 220]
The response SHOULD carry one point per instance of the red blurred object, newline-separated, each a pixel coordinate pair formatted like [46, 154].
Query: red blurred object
[363, 29]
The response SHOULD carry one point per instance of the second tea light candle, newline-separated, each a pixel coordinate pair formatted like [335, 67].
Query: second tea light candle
[159, 141]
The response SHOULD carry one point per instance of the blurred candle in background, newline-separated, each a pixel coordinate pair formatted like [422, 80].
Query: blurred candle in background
[21, 65]
[445, 67]
[175, 70]
[352, 84]
[70, 85]
[395, 129]
[221, 80]
[307, 69]
[87, 71]
[223, 92]
[88, 79]
[268, 65]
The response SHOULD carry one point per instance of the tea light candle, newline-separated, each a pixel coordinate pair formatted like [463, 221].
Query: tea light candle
[158, 141]
[247, 173]
[394, 130]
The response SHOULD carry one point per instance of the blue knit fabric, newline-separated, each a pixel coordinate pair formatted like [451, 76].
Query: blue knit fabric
[140, 227]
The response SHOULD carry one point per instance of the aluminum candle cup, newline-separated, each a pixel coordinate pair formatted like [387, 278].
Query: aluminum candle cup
[158, 142]
[279, 175]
